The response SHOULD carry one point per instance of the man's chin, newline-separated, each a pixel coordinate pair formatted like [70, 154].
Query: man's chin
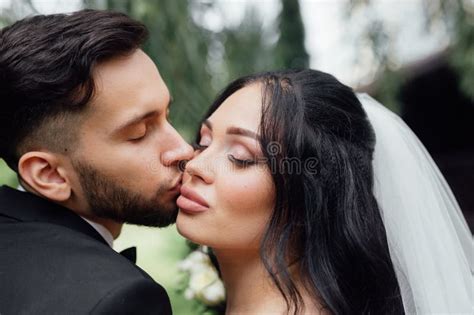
[109, 200]
[159, 218]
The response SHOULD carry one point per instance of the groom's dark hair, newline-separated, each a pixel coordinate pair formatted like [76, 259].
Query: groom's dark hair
[46, 75]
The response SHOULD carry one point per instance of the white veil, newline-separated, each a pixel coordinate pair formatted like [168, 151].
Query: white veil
[429, 241]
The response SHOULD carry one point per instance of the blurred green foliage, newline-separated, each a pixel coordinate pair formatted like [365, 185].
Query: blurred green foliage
[290, 50]
[462, 54]
[456, 17]
[7, 176]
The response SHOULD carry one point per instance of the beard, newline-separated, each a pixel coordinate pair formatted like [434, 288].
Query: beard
[107, 199]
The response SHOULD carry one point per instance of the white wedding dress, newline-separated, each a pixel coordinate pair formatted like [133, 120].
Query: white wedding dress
[429, 241]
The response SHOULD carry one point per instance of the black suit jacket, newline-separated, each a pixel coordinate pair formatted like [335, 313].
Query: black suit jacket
[53, 262]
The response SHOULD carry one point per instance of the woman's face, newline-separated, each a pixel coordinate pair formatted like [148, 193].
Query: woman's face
[227, 195]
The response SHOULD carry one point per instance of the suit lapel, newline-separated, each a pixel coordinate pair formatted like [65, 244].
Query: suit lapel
[27, 207]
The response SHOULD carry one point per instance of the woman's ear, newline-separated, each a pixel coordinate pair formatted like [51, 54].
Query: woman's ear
[45, 174]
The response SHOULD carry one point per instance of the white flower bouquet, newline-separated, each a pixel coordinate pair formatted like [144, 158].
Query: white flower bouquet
[202, 282]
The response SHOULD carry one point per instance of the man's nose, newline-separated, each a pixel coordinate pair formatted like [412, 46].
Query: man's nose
[180, 150]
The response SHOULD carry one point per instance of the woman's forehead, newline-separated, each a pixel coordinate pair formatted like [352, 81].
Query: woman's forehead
[241, 109]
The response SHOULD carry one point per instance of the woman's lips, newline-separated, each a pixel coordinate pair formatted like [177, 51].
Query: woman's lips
[189, 201]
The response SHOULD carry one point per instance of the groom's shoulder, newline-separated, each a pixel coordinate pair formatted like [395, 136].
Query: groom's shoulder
[72, 272]
[56, 248]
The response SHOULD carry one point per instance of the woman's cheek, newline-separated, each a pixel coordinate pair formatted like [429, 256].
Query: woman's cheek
[247, 204]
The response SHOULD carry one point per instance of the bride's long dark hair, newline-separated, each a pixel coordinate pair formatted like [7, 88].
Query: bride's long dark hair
[326, 222]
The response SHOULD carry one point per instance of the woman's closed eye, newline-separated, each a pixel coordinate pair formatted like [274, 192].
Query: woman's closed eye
[241, 156]
[238, 157]
[199, 147]
[241, 162]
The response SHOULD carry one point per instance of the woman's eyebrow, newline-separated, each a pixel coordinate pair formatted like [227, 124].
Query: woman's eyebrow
[242, 132]
[234, 130]
[208, 124]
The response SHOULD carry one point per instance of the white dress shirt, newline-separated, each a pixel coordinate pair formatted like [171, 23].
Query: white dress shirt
[102, 230]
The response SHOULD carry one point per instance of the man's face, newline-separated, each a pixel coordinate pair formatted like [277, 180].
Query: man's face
[127, 163]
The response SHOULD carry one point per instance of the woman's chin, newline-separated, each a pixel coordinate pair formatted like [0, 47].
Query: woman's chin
[189, 228]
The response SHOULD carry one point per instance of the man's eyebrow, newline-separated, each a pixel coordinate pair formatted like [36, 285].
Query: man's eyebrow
[136, 120]
[139, 118]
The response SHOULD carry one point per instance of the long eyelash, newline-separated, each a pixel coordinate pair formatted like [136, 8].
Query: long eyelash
[138, 139]
[241, 163]
[197, 146]
[238, 162]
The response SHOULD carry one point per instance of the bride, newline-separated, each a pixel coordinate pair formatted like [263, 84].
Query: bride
[316, 200]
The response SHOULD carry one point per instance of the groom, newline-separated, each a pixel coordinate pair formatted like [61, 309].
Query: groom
[84, 123]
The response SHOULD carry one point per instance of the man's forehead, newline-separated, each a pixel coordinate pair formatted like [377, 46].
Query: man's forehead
[129, 82]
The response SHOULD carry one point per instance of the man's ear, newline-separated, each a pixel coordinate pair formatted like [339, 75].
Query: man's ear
[45, 174]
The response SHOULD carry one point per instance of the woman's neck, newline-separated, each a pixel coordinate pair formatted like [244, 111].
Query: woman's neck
[249, 289]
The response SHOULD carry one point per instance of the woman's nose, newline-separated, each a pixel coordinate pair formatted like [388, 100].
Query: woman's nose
[200, 167]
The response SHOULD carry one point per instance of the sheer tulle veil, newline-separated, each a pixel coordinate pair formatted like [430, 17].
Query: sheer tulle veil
[429, 241]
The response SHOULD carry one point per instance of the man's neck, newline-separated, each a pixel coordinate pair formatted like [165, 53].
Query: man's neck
[105, 233]
[110, 227]
[113, 227]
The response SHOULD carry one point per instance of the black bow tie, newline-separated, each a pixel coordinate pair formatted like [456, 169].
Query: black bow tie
[130, 254]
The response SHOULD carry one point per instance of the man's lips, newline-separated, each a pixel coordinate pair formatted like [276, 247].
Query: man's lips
[190, 201]
[176, 187]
